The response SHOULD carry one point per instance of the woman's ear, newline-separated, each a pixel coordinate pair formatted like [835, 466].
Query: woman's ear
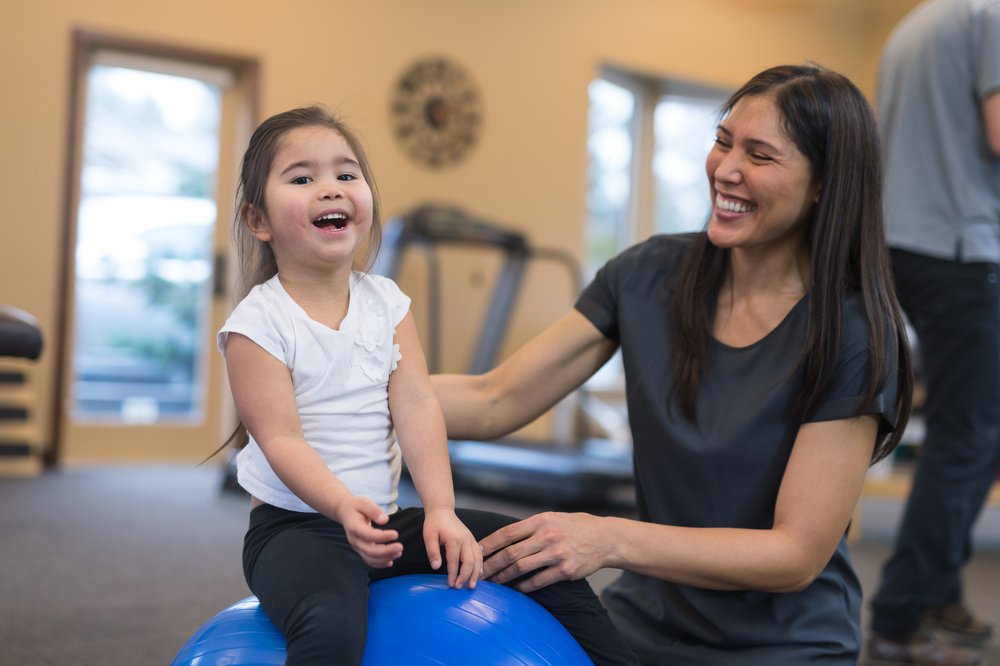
[253, 218]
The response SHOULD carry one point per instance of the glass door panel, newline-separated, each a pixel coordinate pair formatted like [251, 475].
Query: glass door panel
[144, 247]
[154, 161]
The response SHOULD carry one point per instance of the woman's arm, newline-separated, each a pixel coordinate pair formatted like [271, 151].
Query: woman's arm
[265, 400]
[420, 430]
[819, 491]
[527, 384]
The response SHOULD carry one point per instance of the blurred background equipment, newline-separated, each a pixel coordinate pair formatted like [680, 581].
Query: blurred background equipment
[20, 343]
[587, 457]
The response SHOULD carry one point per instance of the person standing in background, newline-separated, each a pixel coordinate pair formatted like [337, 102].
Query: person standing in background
[938, 102]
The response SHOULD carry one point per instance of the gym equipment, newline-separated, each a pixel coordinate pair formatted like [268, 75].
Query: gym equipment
[20, 336]
[589, 471]
[415, 620]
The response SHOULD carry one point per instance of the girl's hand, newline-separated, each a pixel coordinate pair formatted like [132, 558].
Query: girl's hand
[558, 546]
[377, 547]
[464, 556]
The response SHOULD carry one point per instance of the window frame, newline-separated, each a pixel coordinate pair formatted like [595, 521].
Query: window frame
[648, 91]
[243, 100]
[608, 383]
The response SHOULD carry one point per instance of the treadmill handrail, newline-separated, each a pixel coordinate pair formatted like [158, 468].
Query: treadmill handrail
[431, 225]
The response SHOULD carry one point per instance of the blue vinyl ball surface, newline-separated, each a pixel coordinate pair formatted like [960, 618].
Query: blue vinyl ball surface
[412, 620]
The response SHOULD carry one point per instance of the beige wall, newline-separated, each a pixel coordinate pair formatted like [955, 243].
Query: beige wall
[532, 58]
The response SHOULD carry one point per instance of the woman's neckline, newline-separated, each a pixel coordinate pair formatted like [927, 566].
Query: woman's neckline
[799, 304]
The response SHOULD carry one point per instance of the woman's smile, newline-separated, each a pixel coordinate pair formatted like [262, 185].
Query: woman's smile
[732, 205]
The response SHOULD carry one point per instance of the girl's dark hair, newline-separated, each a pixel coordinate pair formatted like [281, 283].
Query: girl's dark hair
[256, 259]
[833, 126]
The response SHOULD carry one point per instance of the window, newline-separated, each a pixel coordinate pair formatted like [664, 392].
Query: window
[611, 134]
[647, 143]
[683, 131]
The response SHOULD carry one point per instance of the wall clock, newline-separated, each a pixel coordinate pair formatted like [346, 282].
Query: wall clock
[436, 112]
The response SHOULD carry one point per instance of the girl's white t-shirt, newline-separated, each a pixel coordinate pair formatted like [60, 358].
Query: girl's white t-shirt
[341, 383]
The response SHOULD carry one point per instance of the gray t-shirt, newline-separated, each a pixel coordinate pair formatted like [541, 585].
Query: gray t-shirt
[942, 183]
[724, 470]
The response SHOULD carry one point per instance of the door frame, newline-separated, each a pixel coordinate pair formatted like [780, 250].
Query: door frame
[246, 74]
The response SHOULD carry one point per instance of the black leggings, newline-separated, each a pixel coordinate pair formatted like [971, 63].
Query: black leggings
[314, 586]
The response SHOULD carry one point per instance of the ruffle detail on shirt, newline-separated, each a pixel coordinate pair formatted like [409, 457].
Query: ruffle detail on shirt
[374, 352]
[396, 355]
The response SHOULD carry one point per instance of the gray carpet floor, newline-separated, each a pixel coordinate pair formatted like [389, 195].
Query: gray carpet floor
[118, 566]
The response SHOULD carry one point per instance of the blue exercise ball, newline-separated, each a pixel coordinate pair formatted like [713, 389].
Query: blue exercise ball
[413, 620]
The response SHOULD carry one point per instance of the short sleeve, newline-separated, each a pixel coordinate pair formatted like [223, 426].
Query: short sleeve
[260, 319]
[988, 23]
[399, 303]
[599, 300]
[640, 279]
[845, 397]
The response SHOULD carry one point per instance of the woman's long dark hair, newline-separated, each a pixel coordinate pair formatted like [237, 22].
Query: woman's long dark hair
[832, 125]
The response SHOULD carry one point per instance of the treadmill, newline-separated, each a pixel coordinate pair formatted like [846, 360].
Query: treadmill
[565, 474]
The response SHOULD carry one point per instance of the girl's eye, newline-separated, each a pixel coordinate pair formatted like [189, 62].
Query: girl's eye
[302, 180]
[347, 176]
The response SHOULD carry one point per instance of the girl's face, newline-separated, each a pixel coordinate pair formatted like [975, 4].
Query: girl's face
[317, 204]
[762, 187]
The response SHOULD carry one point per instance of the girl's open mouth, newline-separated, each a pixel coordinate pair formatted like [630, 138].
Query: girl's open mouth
[335, 220]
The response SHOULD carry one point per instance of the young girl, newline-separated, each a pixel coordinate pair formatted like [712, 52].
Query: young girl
[327, 372]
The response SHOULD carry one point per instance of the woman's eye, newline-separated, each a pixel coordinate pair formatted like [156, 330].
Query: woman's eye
[720, 142]
[760, 157]
[301, 180]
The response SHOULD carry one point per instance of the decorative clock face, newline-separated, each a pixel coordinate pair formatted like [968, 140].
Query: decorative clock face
[436, 112]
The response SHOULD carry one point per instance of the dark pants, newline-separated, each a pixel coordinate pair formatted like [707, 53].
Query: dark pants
[954, 309]
[314, 586]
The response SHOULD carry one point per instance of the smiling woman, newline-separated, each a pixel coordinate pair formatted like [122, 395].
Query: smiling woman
[766, 367]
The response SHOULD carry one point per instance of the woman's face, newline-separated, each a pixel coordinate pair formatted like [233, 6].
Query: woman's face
[762, 187]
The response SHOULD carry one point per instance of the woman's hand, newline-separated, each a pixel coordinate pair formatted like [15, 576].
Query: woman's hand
[463, 555]
[557, 546]
[377, 547]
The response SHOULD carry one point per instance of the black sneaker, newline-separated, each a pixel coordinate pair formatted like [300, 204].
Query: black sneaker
[954, 623]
